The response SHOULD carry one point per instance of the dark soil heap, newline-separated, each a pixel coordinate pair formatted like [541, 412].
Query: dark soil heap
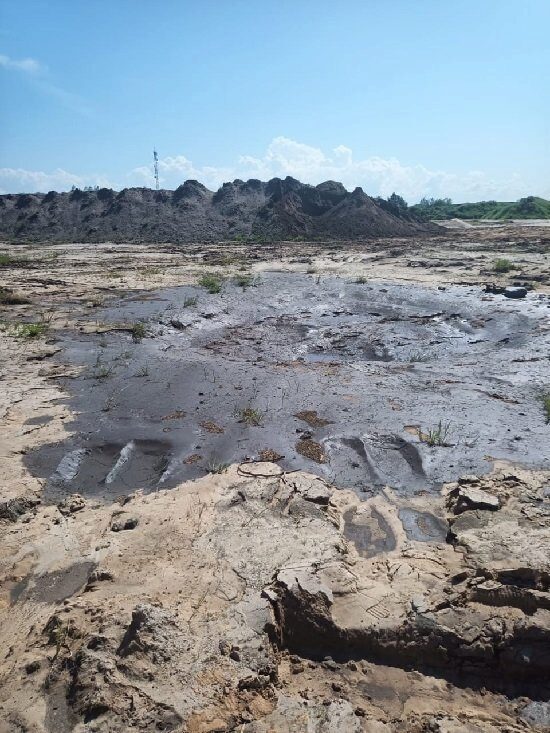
[278, 209]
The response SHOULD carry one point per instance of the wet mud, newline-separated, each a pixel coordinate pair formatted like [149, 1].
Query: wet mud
[380, 366]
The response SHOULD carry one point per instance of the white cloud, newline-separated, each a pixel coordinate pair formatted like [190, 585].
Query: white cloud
[285, 157]
[28, 65]
[19, 180]
[39, 78]
[377, 176]
[175, 170]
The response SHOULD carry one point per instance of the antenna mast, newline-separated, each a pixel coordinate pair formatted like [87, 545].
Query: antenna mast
[156, 167]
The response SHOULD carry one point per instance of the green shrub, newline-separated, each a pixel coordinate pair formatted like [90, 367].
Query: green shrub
[212, 283]
[138, 331]
[502, 265]
[244, 281]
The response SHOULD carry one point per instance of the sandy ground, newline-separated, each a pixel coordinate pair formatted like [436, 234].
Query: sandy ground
[195, 574]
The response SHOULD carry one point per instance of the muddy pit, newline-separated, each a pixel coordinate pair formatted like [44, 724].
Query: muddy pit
[384, 368]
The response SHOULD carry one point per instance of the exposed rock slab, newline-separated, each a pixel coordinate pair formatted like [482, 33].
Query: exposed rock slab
[242, 590]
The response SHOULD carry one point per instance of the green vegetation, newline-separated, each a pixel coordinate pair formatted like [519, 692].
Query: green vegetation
[245, 280]
[545, 399]
[212, 283]
[7, 260]
[436, 436]
[503, 265]
[531, 207]
[252, 238]
[395, 205]
[101, 370]
[249, 415]
[216, 467]
[189, 302]
[138, 331]
[29, 330]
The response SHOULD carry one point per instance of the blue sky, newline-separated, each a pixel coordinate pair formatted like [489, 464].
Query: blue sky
[423, 97]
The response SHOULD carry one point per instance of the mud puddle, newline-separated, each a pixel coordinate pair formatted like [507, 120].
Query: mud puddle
[371, 360]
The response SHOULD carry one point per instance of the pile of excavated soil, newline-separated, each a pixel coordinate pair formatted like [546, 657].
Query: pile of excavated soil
[273, 210]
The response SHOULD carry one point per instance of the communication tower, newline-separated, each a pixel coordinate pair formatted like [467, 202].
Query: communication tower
[156, 167]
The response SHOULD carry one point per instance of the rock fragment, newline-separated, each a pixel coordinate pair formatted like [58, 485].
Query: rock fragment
[72, 504]
[14, 509]
[515, 292]
[464, 498]
[122, 522]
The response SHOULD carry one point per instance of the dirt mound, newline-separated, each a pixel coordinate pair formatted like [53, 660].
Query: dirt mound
[277, 209]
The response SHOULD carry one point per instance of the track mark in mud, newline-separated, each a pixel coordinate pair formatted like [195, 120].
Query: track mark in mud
[293, 351]
[383, 459]
[112, 467]
[423, 526]
[54, 586]
[369, 531]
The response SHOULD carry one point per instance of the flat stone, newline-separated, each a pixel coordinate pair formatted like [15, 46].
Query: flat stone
[466, 497]
[515, 292]
[312, 489]
[182, 321]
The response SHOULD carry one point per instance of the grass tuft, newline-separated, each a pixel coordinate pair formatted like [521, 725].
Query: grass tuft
[245, 280]
[249, 415]
[437, 436]
[7, 260]
[217, 467]
[29, 330]
[545, 399]
[212, 283]
[502, 265]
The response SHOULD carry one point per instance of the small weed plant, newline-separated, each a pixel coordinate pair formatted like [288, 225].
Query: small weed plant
[438, 436]
[249, 415]
[29, 330]
[217, 467]
[212, 283]
[244, 280]
[138, 331]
